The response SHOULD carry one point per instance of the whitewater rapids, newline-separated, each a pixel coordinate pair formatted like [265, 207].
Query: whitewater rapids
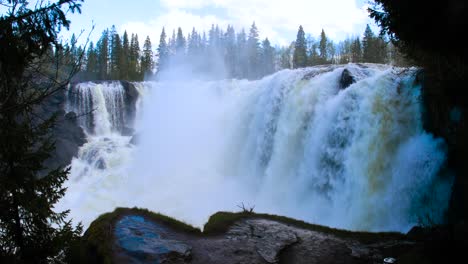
[293, 144]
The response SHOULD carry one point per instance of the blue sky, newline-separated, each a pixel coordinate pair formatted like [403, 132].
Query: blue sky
[277, 20]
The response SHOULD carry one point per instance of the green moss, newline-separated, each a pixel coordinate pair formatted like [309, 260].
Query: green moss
[221, 221]
[163, 219]
[98, 238]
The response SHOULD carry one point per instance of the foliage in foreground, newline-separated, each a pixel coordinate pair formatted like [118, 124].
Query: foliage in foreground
[411, 26]
[30, 230]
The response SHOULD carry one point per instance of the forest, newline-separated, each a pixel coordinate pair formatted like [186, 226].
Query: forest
[241, 55]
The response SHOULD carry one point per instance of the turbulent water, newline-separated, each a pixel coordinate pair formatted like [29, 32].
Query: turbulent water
[293, 143]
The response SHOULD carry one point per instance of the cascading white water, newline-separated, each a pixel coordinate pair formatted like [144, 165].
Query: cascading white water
[103, 160]
[356, 158]
[99, 106]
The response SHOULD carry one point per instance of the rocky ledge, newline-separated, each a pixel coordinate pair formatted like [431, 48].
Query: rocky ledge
[139, 236]
[67, 133]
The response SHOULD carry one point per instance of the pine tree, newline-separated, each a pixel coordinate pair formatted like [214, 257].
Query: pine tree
[253, 53]
[214, 40]
[268, 59]
[356, 51]
[103, 55]
[147, 61]
[204, 43]
[218, 38]
[323, 48]
[115, 53]
[180, 43]
[368, 45]
[374, 48]
[286, 57]
[310, 42]
[125, 57]
[381, 51]
[163, 52]
[73, 48]
[80, 56]
[30, 230]
[314, 55]
[172, 43]
[331, 52]
[241, 50]
[214, 56]
[134, 60]
[300, 50]
[192, 45]
[230, 54]
[92, 62]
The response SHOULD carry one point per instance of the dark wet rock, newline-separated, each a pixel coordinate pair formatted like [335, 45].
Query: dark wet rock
[444, 115]
[66, 133]
[139, 236]
[417, 232]
[460, 232]
[142, 241]
[317, 70]
[127, 131]
[346, 79]
[101, 164]
[131, 98]
[269, 237]
[320, 249]
[71, 116]
[135, 139]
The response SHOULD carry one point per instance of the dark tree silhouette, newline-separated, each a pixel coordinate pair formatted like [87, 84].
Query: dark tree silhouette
[412, 26]
[30, 230]
[300, 50]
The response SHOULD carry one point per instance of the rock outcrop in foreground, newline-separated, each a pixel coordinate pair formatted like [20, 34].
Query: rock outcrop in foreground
[139, 236]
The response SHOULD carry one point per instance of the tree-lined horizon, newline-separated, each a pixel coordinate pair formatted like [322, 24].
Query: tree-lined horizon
[223, 53]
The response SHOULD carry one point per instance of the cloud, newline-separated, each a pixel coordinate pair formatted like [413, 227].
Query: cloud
[171, 21]
[277, 20]
[188, 4]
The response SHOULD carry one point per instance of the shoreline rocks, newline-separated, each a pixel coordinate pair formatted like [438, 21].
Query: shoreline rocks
[139, 236]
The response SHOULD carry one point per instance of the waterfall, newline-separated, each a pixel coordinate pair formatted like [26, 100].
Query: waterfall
[99, 106]
[294, 143]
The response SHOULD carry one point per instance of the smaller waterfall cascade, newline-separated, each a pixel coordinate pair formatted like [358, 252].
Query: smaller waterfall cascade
[103, 113]
[99, 106]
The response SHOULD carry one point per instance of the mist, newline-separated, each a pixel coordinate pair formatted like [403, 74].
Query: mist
[287, 144]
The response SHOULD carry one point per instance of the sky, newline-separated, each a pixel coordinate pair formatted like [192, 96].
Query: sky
[277, 20]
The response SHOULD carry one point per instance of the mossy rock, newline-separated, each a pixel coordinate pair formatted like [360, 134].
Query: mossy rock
[220, 222]
[98, 241]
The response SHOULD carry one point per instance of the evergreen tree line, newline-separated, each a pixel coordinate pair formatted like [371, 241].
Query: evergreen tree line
[224, 54]
[370, 48]
[115, 57]
[239, 55]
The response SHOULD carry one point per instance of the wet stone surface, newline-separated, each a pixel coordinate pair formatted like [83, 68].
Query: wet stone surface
[141, 241]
